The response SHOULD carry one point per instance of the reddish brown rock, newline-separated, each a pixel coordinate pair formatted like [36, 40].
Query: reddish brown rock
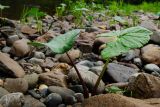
[10, 66]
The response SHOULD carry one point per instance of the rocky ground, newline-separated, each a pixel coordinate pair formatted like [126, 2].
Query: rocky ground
[36, 77]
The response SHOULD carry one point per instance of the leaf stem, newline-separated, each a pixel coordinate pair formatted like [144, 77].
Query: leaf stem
[86, 93]
[100, 77]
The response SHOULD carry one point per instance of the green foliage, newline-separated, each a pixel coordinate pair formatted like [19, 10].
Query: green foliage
[114, 89]
[28, 15]
[124, 40]
[62, 43]
[60, 10]
[2, 7]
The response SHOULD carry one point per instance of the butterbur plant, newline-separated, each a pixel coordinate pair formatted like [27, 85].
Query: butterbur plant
[122, 42]
[62, 44]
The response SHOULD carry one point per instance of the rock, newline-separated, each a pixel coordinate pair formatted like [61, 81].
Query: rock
[151, 26]
[120, 73]
[89, 78]
[56, 79]
[150, 54]
[79, 97]
[39, 55]
[62, 105]
[16, 85]
[37, 69]
[145, 86]
[20, 48]
[10, 66]
[74, 54]
[12, 100]
[32, 79]
[77, 88]
[97, 69]
[53, 100]
[151, 68]
[112, 100]
[28, 30]
[3, 92]
[32, 102]
[1, 82]
[131, 54]
[98, 63]
[86, 63]
[34, 94]
[69, 18]
[6, 49]
[138, 62]
[85, 42]
[43, 89]
[48, 63]
[36, 61]
[66, 94]
[153, 101]
[11, 39]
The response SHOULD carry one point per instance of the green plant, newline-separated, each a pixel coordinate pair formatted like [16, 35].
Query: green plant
[2, 7]
[61, 10]
[28, 15]
[62, 44]
[114, 89]
[123, 41]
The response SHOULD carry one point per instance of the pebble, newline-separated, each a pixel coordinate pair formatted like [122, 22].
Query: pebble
[39, 55]
[32, 79]
[16, 85]
[1, 82]
[20, 48]
[96, 69]
[79, 97]
[34, 94]
[11, 39]
[32, 102]
[53, 100]
[3, 92]
[138, 62]
[36, 61]
[6, 49]
[12, 100]
[77, 88]
[120, 73]
[151, 68]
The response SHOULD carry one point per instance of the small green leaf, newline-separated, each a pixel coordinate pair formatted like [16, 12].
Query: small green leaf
[62, 43]
[3, 7]
[134, 37]
[114, 89]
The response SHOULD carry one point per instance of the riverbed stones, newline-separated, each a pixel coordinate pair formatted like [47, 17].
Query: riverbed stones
[20, 48]
[145, 86]
[150, 54]
[66, 94]
[53, 100]
[51, 78]
[32, 102]
[39, 55]
[10, 66]
[3, 92]
[16, 85]
[89, 78]
[32, 79]
[12, 100]
[151, 68]
[120, 73]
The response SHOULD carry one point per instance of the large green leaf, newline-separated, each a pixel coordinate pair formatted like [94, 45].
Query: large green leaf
[134, 37]
[62, 43]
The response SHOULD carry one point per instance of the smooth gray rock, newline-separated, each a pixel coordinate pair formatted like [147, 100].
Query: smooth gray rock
[120, 73]
[137, 61]
[89, 78]
[86, 63]
[11, 39]
[79, 97]
[39, 55]
[53, 100]
[130, 55]
[77, 88]
[3, 92]
[66, 94]
[151, 68]
[12, 100]
[6, 49]
[96, 69]
[34, 94]
[36, 61]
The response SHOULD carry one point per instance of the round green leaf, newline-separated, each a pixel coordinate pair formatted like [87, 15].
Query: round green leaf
[134, 37]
